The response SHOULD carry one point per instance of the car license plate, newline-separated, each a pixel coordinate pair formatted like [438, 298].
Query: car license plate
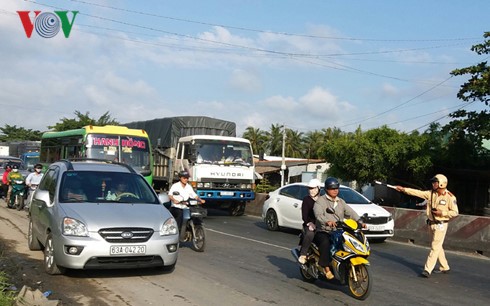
[227, 193]
[376, 228]
[128, 249]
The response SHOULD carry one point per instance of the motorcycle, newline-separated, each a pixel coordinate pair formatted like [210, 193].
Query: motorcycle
[17, 194]
[349, 250]
[192, 224]
[30, 194]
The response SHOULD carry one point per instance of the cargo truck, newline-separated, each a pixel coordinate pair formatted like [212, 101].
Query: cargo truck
[220, 164]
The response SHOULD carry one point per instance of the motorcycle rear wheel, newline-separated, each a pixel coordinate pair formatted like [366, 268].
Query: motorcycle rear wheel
[199, 239]
[19, 202]
[361, 288]
[306, 276]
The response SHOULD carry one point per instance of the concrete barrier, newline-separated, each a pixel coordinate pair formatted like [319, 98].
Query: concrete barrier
[465, 233]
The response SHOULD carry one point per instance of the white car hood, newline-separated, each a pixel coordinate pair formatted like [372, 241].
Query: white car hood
[372, 210]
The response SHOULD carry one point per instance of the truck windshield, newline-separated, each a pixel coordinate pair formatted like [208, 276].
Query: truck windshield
[218, 152]
[130, 150]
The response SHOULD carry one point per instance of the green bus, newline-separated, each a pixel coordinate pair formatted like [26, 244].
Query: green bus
[110, 142]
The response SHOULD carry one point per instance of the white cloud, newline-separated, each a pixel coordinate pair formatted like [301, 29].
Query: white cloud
[246, 81]
[320, 102]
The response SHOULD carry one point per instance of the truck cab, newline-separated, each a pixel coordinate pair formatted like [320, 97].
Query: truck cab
[221, 169]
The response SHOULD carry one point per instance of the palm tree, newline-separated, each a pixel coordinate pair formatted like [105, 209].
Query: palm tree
[313, 142]
[294, 143]
[257, 139]
[274, 140]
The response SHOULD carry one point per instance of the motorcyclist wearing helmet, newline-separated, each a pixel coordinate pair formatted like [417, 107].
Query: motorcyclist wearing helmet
[326, 222]
[308, 217]
[32, 180]
[12, 176]
[441, 207]
[185, 192]
[5, 182]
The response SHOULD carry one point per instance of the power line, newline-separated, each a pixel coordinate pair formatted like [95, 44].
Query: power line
[249, 47]
[269, 32]
[399, 105]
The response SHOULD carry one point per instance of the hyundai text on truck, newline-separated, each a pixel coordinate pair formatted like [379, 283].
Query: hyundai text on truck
[220, 164]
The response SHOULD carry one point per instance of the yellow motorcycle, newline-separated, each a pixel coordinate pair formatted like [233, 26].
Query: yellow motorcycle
[349, 250]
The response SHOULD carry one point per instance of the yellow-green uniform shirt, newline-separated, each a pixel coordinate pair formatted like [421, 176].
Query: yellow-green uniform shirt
[445, 202]
[14, 176]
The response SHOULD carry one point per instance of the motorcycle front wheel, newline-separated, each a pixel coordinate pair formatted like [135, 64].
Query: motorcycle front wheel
[199, 239]
[19, 202]
[360, 286]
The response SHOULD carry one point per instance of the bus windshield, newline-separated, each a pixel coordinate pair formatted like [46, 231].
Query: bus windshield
[218, 152]
[130, 150]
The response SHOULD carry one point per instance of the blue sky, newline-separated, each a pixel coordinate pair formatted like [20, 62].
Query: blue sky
[306, 64]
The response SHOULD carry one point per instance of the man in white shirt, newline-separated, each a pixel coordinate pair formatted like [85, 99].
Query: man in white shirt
[32, 180]
[185, 193]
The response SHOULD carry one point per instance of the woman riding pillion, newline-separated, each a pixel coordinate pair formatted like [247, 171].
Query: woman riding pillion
[326, 222]
[308, 216]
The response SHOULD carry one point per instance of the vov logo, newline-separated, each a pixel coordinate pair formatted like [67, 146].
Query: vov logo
[47, 24]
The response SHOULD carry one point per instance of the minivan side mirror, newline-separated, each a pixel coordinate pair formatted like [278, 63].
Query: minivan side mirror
[43, 196]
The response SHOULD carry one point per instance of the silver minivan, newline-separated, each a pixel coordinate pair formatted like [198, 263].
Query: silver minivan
[100, 215]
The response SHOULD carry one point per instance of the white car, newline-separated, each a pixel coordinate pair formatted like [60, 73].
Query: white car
[283, 209]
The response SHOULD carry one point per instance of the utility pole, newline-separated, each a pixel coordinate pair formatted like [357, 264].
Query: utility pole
[283, 165]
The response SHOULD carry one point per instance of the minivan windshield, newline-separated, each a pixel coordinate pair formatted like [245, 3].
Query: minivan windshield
[105, 187]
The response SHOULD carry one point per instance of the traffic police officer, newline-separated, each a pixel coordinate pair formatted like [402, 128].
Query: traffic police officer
[441, 207]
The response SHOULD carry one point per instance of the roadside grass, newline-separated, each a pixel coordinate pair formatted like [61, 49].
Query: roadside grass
[7, 297]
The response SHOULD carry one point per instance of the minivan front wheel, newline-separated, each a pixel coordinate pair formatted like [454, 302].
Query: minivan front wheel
[50, 265]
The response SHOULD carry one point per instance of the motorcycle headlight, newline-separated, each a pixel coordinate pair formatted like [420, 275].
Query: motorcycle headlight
[356, 244]
[169, 227]
[73, 227]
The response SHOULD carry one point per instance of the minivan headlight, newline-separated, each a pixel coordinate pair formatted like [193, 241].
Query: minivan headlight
[169, 227]
[73, 227]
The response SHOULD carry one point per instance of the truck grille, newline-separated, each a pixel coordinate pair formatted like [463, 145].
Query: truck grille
[126, 234]
[225, 186]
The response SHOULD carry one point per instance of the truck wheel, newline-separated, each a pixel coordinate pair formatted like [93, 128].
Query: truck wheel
[237, 209]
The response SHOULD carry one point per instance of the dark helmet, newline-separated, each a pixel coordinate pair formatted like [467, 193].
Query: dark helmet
[331, 183]
[8, 166]
[15, 166]
[38, 166]
[183, 174]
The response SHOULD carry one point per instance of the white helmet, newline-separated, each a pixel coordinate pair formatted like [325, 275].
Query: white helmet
[441, 179]
[314, 183]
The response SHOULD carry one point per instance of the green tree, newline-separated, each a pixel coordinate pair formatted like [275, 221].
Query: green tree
[474, 124]
[378, 154]
[257, 139]
[82, 120]
[14, 133]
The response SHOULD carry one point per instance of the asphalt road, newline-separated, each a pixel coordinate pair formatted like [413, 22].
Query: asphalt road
[245, 264]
